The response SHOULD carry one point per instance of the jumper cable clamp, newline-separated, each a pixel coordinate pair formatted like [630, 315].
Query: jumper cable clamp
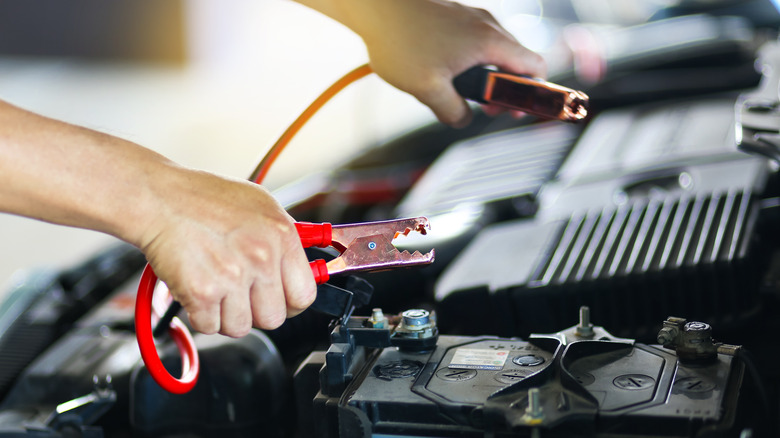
[364, 246]
[522, 93]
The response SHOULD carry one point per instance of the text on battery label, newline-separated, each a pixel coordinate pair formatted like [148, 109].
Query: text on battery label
[479, 359]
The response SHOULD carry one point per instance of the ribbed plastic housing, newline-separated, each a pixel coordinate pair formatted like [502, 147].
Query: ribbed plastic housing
[631, 264]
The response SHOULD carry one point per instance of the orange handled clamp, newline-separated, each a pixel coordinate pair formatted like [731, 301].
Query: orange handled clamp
[364, 246]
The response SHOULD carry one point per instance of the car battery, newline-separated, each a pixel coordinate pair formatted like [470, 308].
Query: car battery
[377, 381]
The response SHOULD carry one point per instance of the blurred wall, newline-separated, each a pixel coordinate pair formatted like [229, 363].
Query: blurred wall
[141, 30]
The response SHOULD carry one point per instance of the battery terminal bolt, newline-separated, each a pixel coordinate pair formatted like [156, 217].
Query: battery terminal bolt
[534, 413]
[585, 328]
[377, 319]
[417, 323]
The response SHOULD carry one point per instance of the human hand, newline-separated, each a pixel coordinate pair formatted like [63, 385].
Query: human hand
[228, 253]
[419, 46]
[226, 249]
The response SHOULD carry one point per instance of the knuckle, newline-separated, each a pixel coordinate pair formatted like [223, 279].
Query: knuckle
[485, 32]
[204, 294]
[237, 325]
[204, 322]
[268, 315]
[270, 321]
[236, 330]
[282, 222]
[228, 270]
[302, 298]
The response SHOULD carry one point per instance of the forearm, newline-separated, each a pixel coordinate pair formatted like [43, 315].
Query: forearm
[60, 173]
[225, 248]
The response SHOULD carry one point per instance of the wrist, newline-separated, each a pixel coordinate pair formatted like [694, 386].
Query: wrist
[160, 195]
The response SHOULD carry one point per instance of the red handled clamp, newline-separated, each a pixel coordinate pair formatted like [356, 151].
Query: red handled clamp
[364, 246]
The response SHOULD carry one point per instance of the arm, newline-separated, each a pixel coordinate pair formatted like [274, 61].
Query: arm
[227, 251]
[225, 248]
[419, 45]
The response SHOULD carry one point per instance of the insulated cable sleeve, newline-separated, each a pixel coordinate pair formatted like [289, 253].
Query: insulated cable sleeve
[319, 235]
[178, 331]
[320, 270]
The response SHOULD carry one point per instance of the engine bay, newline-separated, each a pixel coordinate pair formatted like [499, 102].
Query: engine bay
[619, 277]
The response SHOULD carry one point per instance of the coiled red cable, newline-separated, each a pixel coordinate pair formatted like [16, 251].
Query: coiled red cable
[177, 330]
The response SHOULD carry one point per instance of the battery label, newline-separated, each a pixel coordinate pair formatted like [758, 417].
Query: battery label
[479, 359]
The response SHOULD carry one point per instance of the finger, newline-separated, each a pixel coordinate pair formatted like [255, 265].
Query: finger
[492, 110]
[201, 303]
[509, 55]
[518, 114]
[298, 282]
[204, 319]
[236, 315]
[448, 106]
[518, 59]
[495, 110]
[268, 305]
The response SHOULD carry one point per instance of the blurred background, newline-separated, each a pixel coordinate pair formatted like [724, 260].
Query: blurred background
[212, 84]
